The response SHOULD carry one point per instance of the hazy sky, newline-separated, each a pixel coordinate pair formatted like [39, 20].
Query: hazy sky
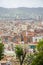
[21, 3]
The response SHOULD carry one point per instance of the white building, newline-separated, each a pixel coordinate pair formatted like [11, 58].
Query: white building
[37, 38]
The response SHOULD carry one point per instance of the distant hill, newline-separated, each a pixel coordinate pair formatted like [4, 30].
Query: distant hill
[21, 13]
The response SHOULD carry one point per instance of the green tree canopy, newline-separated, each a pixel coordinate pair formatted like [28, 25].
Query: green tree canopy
[38, 60]
[40, 45]
[1, 50]
[20, 53]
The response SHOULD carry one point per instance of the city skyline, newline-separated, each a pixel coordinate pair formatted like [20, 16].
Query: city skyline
[21, 3]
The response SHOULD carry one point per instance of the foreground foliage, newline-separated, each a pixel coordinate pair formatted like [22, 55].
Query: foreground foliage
[1, 51]
[20, 53]
[39, 59]
[40, 45]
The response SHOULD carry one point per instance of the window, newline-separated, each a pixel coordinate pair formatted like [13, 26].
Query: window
[35, 40]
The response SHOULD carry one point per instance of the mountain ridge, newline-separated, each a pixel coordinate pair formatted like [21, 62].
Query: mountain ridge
[21, 13]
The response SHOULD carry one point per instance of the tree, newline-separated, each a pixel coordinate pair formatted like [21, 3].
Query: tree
[29, 59]
[39, 59]
[40, 45]
[20, 53]
[1, 51]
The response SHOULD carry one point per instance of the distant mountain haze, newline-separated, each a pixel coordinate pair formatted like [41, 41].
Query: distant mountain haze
[21, 13]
